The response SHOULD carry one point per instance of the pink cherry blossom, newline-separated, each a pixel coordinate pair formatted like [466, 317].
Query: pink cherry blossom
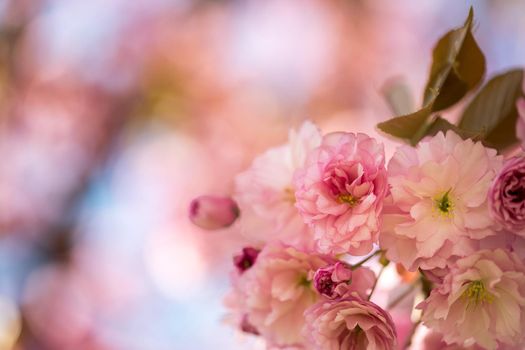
[507, 196]
[213, 212]
[265, 192]
[438, 206]
[349, 323]
[481, 301]
[340, 192]
[273, 294]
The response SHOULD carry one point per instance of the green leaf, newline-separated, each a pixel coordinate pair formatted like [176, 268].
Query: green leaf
[441, 124]
[493, 113]
[458, 66]
[406, 126]
[398, 97]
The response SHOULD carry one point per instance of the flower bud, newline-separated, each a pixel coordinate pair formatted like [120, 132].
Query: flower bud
[213, 212]
[327, 279]
[246, 259]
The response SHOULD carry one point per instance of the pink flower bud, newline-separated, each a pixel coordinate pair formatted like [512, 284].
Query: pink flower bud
[246, 259]
[327, 279]
[213, 212]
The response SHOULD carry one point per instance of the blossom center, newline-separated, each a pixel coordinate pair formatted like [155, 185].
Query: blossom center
[517, 193]
[348, 199]
[304, 281]
[444, 204]
[324, 283]
[357, 339]
[477, 293]
[289, 195]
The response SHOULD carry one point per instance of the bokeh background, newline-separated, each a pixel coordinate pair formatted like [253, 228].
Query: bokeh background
[114, 114]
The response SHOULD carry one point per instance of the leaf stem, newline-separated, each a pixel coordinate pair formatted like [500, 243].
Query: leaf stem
[355, 266]
[375, 282]
[403, 295]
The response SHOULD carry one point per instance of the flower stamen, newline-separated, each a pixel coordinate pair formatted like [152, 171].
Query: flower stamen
[304, 281]
[443, 204]
[477, 294]
[348, 199]
[289, 195]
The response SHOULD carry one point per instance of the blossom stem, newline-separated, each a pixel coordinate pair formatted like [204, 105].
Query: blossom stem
[403, 295]
[375, 282]
[366, 259]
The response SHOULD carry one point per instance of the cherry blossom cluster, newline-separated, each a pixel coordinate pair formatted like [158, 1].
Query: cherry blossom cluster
[450, 209]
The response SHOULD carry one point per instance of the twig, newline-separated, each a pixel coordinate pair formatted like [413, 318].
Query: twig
[408, 341]
[403, 295]
[375, 282]
[366, 259]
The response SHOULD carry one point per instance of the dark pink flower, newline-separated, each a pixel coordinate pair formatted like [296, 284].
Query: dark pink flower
[507, 196]
[213, 212]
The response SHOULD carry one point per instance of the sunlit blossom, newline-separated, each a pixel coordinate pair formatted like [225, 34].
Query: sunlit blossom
[438, 206]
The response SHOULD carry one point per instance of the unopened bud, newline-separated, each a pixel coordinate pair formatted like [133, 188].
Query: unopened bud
[327, 279]
[213, 212]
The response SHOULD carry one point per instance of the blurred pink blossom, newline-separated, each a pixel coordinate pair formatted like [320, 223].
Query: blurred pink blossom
[57, 307]
[265, 192]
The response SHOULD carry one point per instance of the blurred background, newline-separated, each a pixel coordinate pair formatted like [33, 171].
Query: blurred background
[114, 114]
